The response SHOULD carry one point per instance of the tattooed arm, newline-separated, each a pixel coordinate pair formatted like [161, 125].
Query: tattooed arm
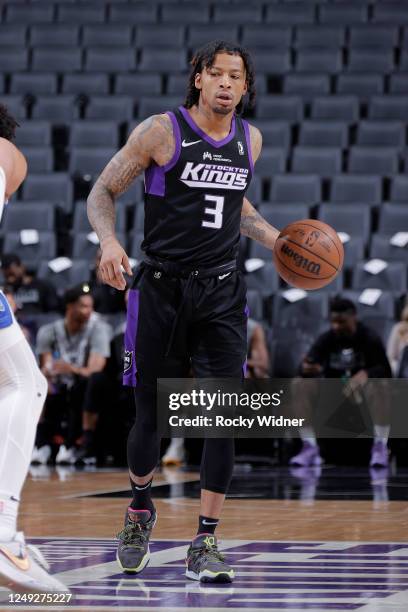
[253, 224]
[150, 141]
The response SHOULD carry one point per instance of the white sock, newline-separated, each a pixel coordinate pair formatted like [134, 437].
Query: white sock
[8, 517]
[2, 191]
[382, 432]
[307, 434]
[23, 390]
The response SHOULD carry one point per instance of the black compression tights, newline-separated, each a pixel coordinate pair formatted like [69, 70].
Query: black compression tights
[143, 448]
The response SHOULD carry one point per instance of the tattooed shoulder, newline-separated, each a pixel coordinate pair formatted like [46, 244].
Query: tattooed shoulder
[154, 136]
[256, 142]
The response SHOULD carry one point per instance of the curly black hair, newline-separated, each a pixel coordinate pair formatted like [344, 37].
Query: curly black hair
[8, 124]
[204, 58]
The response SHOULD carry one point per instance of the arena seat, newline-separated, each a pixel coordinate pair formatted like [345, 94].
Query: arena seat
[54, 34]
[59, 109]
[306, 85]
[382, 249]
[163, 35]
[85, 84]
[78, 273]
[381, 134]
[368, 60]
[107, 34]
[12, 34]
[324, 134]
[281, 215]
[393, 278]
[193, 12]
[382, 161]
[291, 13]
[34, 84]
[286, 108]
[390, 107]
[54, 187]
[349, 219]
[39, 216]
[398, 84]
[361, 85]
[341, 108]
[83, 248]
[399, 189]
[14, 58]
[200, 34]
[390, 12]
[344, 12]
[242, 14]
[163, 60]
[34, 133]
[94, 134]
[29, 13]
[383, 307]
[319, 36]
[266, 36]
[135, 251]
[110, 59]
[111, 108]
[81, 222]
[255, 304]
[89, 161]
[324, 161]
[272, 161]
[56, 59]
[274, 133]
[373, 36]
[134, 13]
[278, 62]
[296, 188]
[39, 158]
[313, 60]
[265, 280]
[393, 219]
[85, 12]
[346, 188]
[144, 84]
[31, 255]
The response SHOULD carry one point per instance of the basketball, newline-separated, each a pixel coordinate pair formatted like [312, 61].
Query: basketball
[308, 254]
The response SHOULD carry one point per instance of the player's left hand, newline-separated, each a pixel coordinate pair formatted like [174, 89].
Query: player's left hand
[61, 367]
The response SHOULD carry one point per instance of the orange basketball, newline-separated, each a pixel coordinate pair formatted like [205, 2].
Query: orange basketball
[308, 254]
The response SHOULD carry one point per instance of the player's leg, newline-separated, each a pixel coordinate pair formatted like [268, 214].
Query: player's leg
[304, 393]
[22, 393]
[377, 396]
[151, 310]
[219, 352]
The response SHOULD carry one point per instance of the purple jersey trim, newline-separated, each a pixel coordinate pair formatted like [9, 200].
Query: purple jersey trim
[132, 318]
[215, 143]
[155, 183]
[248, 141]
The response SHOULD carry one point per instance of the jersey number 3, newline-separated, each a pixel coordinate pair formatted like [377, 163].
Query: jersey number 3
[216, 212]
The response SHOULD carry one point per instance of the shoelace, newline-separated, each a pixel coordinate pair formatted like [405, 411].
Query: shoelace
[210, 553]
[132, 535]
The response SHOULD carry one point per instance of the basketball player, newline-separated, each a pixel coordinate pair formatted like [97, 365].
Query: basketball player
[22, 393]
[187, 306]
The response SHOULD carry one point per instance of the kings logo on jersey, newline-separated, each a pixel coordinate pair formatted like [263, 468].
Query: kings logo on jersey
[212, 176]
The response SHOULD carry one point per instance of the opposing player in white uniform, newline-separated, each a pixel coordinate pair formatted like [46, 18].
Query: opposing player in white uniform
[23, 390]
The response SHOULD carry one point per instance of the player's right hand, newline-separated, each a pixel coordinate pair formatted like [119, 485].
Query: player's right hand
[113, 259]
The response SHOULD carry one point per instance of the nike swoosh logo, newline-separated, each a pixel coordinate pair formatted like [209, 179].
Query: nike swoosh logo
[143, 488]
[221, 277]
[188, 144]
[21, 563]
[207, 523]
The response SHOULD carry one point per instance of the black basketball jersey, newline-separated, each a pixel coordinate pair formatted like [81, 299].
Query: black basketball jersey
[193, 204]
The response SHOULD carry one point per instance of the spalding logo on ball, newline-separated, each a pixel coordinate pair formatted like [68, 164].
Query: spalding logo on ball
[308, 254]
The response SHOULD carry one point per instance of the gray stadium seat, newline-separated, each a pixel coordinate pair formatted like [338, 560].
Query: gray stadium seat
[13, 34]
[14, 59]
[265, 35]
[343, 12]
[134, 13]
[390, 12]
[399, 188]
[373, 36]
[177, 85]
[303, 314]
[320, 36]
[274, 133]
[254, 192]
[78, 273]
[94, 134]
[393, 219]
[154, 105]
[39, 159]
[354, 250]
[286, 108]
[281, 215]
[324, 133]
[193, 12]
[113, 108]
[368, 60]
[271, 61]
[403, 64]
[362, 85]
[393, 278]
[62, 108]
[34, 84]
[2, 83]
[291, 188]
[138, 218]
[85, 12]
[382, 249]
[398, 84]
[389, 107]
[342, 108]
[139, 84]
[306, 85]
[164, 35]
[265, 280]
[134, 194]
[163, 60]
[31, 255]
[324, 161]
[81, 223]
[314, 60]
[136, 239]
[381, 134]
[110, 59]
[29, 13]
[83, 248]
[106, 35]
[385, 305]
[349, 189]
[56, 59]
[290, 13]
[16, 106]
[382, 161]
[351, 220]
[85, 84]
[37, 216]
[33, 133]
[54, 34]
[271, 161]
[89, 161]
[54, 187]
[241, 13]
[255, 304]
[200, 34]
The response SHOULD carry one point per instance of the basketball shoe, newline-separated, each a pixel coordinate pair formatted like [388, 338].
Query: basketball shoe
[23, 569]
[175, 453]
[379, 454]
[308, 456]
[205, 562]
[133, 552]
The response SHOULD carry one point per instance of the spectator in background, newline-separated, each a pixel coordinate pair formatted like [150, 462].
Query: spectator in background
[71, 351]
[352, 351]
[398, 340]
[107, 299]
[32, 295]
[27, 328]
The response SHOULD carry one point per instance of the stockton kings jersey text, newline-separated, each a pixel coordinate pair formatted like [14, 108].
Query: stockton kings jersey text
[193, 204]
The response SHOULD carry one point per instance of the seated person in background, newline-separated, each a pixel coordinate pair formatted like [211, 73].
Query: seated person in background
[71, 351]
[32, 295]
[352, 351]
[107, 299]
[27, 328]
[398, 340]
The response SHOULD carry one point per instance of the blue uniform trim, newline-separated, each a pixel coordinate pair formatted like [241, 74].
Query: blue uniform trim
[6, 318]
